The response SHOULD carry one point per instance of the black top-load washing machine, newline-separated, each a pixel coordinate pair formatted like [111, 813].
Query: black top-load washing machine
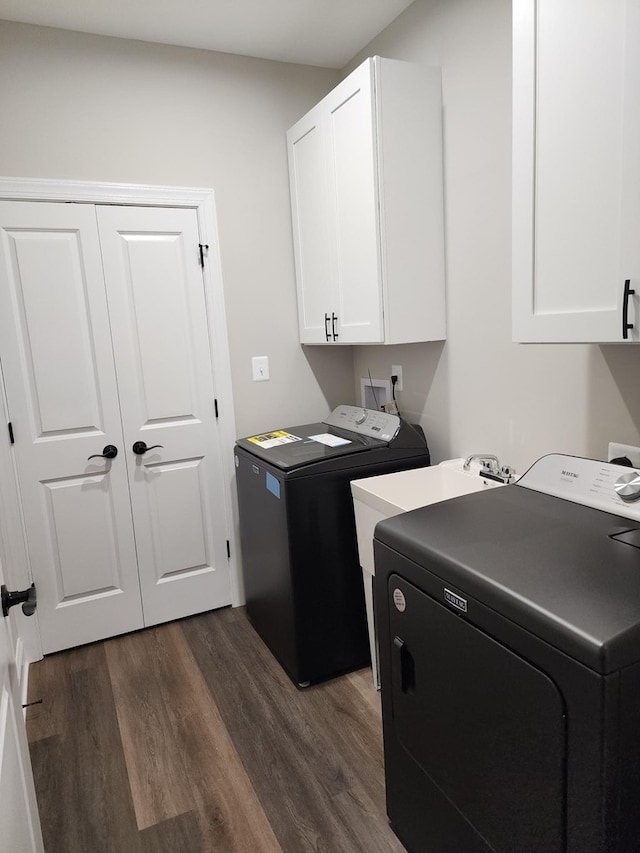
[509, 629]
[302, 577]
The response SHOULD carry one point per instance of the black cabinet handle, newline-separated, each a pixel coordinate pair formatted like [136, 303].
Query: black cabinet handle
[334, 320]
[327, 333]
[110, 451]
[139, 447]
[26, 597]
[626, 325]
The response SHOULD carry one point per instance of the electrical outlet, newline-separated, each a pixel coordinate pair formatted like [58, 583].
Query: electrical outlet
[396, 370]
[632, 453]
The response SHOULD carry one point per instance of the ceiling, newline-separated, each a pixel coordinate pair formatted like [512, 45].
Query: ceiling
[327, 33]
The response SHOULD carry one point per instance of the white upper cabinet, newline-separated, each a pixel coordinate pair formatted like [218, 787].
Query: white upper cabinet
[365, 168]
[576, 170]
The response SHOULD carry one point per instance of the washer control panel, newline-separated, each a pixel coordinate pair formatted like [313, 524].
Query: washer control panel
[365, 422]
[600, 485]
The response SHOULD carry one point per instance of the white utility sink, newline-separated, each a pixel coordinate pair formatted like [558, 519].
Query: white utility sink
[376, 498]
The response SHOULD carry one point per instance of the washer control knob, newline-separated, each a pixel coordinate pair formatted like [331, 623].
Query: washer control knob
[627, 486]
[362, 417]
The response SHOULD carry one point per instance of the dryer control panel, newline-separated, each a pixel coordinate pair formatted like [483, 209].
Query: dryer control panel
[600, 485]
[365, 421]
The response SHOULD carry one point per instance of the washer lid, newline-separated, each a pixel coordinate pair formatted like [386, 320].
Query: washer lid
[553, 566]
[294, 447]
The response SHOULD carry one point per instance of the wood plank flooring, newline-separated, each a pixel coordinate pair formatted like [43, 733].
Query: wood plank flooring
[190, 738]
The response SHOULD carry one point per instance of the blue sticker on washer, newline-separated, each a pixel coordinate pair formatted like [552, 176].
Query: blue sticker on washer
[273, 484]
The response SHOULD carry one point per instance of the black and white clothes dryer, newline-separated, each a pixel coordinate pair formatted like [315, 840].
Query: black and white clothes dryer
[509, 628]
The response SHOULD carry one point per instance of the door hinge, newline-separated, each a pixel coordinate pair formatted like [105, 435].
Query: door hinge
[204, 251]
[228, 550]
[215, 406]
[11, 438]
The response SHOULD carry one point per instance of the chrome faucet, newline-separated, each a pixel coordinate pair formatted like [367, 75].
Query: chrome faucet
[487, 460]
[490, 467]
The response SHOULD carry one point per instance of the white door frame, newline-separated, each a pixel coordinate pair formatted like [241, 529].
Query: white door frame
[22, 632]
[203, 202]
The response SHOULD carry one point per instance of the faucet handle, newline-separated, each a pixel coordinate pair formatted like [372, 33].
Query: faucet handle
[507, 474]
[504, 474]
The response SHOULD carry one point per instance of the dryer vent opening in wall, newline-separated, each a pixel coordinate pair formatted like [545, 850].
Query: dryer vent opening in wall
[374, 393]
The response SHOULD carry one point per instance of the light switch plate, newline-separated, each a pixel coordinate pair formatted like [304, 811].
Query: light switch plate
[260, 368]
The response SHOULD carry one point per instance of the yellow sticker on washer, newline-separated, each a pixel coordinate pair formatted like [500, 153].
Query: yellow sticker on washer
[273, 439]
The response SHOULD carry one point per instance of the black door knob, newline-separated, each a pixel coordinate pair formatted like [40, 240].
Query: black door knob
[26, 597]
[110, 451]
[140, 447]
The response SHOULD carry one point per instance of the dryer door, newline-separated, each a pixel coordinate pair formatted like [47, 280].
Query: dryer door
[486, 727]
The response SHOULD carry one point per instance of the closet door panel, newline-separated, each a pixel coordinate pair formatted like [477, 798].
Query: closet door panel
[60, 381]
[165, 380]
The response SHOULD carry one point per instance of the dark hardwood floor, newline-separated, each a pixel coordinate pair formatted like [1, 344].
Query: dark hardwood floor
[189, 738]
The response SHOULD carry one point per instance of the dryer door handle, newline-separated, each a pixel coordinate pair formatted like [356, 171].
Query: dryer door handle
[404, 665]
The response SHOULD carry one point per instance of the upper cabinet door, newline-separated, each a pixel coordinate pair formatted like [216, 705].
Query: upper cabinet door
[353, 206]
[312, 248]
[365, 167]
[576, 162]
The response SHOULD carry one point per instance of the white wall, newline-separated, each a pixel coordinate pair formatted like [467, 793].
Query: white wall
[479, 392]
[94, 108]
[102, 109]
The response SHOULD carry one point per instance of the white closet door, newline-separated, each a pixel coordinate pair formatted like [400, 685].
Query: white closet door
[59, 372]
[165, 381]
